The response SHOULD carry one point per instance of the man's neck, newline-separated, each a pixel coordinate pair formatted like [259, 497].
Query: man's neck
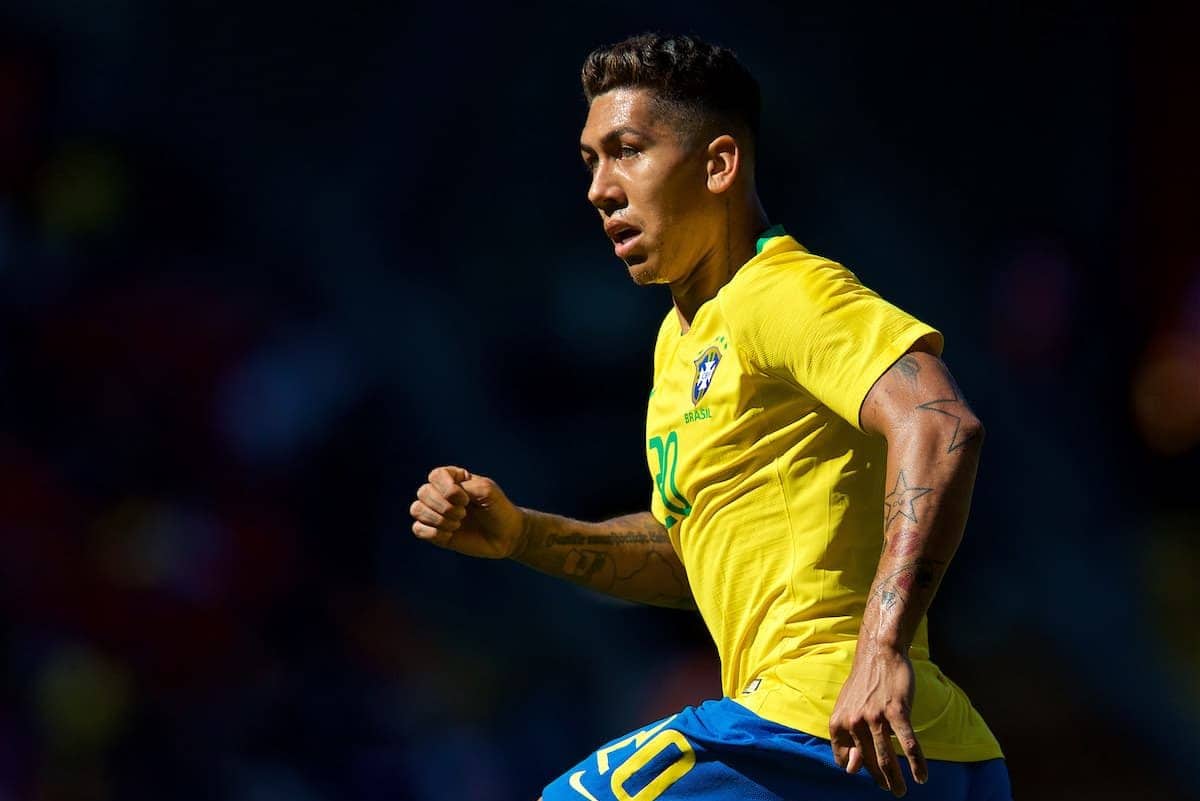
[719, 265]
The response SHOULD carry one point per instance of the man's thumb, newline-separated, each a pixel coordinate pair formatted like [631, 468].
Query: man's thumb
[479, 488]
[457, 474]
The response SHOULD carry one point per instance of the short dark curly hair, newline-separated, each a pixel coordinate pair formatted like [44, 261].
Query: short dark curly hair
[702, 82]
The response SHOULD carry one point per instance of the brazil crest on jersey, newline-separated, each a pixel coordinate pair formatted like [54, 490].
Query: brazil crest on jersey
[706, 365]
[772, 494]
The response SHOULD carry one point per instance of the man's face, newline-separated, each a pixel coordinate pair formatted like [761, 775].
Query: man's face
[649, 185]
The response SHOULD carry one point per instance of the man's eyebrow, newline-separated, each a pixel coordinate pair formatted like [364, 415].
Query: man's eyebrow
[617, 133]
[613, 135]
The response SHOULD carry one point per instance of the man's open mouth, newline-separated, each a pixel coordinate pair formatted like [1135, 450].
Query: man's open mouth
[623, 237]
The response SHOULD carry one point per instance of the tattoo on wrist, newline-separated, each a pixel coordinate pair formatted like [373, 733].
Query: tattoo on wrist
[901, 501]
[918, 576]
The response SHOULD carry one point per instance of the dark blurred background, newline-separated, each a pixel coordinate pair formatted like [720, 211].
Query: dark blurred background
[263, 266]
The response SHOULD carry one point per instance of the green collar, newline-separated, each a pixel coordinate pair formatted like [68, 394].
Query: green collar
[767, 235]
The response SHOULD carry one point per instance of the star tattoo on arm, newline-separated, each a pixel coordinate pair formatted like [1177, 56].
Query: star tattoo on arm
[947, 406]
[900, 501]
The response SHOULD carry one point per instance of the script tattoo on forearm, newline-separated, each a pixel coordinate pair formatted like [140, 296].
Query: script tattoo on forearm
[901, 501]
[614, 538]
[603, 561]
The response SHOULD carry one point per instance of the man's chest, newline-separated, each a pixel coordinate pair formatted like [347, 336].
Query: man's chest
[711, 416]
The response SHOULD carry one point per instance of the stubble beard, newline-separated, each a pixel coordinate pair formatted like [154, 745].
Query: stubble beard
[642, 273]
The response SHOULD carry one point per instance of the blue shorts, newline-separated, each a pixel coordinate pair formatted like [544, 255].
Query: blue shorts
[721, 750]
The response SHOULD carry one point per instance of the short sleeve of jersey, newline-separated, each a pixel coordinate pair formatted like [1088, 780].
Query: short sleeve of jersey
[810, 321]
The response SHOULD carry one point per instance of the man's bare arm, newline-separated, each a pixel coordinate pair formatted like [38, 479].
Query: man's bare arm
[628, 557]
[934, 441]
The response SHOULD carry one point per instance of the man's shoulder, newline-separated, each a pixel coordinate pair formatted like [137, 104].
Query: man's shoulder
[783, 276]
[785, 260]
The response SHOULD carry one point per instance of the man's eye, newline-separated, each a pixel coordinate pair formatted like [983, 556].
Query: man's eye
[628, 151]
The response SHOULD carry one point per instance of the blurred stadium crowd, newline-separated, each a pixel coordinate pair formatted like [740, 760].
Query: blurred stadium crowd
[261, 270]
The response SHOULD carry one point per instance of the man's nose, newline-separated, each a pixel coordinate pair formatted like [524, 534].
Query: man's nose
[605, 193]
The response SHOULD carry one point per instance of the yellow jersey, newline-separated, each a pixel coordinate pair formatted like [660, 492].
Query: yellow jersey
[773, 495]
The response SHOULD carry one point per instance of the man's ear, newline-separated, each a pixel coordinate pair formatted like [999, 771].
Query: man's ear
[724, 163]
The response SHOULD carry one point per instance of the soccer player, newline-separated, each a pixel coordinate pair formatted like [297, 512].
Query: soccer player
[812, 459]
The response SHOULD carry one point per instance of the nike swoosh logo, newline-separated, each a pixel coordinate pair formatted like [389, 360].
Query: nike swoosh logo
[577, 786]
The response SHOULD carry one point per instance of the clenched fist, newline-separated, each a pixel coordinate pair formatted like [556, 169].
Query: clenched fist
[467, 513]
